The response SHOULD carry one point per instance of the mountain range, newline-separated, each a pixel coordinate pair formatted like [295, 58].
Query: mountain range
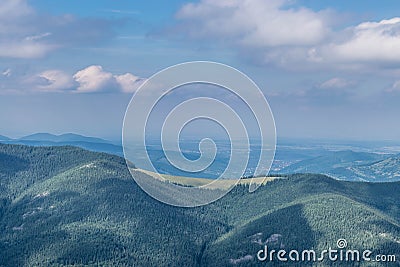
[65, 206]
[346, 165]
[351, 166]
[85, 142]
[68, 137]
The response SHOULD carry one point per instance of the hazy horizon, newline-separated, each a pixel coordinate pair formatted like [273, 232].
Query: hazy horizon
[280, 140]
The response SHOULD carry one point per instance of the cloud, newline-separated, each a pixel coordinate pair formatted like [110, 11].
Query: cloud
[37, 37]
[279, 32]
[25, 33]
[94, 79]
[11, 13]
[336, 83]
[395, 88]
[256, 23]
[124, 12]
[55, 80]
[336, 91]
[24, 49]
[128, 82]
[16, 28]
[367, 43]
[7, 72]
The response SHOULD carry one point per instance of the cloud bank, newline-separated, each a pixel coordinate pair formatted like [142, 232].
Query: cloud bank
[27, 34]
[279, 32]
[255, 23]
[92, 79]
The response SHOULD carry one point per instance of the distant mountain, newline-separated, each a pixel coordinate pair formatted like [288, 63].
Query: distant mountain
[385, 170]
[68, 137]
[4, 138]
[64, 206]
[339, 164]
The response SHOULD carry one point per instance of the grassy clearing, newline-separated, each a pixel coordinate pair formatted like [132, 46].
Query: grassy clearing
[198, 182]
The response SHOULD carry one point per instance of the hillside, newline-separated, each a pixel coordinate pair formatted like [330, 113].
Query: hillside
[64, 206]
[4, 138]
[387, 169]
[189, 181]
[69, 139]
[343, 165]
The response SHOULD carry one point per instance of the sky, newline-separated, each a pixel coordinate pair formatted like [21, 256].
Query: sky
[329, 69]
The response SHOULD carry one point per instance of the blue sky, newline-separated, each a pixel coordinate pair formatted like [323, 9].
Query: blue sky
[329, 69]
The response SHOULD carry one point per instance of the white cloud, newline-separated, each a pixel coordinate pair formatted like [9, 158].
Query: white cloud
[394, 88]
[336, 83]
[366, 46]
[125, 12]
[17, 31]
[7, 72]
[24, 33]
[93, 79]
[396, 85]
[277, 32]
[11, 14]
[256, 23]
[368, 42]
[128, 82]
[37, 36]
[55, 80]
[24, 49]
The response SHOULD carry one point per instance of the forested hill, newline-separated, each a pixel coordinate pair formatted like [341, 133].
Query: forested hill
[64, 206]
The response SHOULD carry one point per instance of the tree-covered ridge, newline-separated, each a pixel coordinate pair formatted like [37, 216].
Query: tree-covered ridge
[88, 143]
[351, 166]
[64, 206]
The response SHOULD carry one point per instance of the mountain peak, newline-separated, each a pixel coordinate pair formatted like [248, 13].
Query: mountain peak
[4, 138]
[67, 137]
[39, 137]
